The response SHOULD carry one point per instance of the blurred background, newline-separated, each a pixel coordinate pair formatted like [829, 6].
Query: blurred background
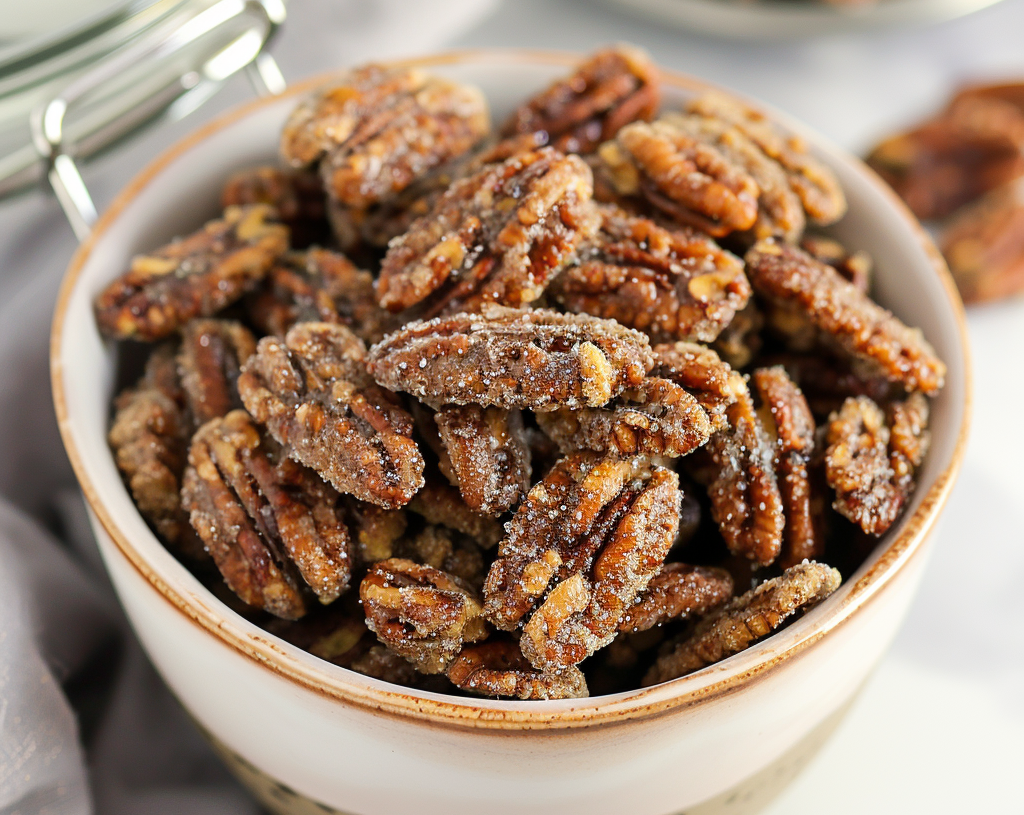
[938, 728]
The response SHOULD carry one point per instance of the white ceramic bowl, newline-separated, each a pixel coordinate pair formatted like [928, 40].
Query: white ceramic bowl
[304, 730]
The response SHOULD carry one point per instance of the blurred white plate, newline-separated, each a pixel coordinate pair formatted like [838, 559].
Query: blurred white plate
[789, 19]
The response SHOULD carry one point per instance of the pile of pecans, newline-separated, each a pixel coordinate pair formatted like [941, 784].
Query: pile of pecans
[598, 417]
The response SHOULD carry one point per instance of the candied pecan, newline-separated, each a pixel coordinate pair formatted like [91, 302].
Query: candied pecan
[322, 286]
[656, 418]
[984, 245]
[854, 266]
[421, 613]
[263, 518]
[682, 176]
[790, 277]
[612, 88]
[312, 392]
[296, 195]
[210, 360]
[743, 621]
[193, 276]
[871, 465]
[815, 184]
[677, 592]
[508, 358]
[671, 284]
[375, 530]
[593, 531]
[497, 667]
[495, 237]
[744, 493]
[701, 371]
[447, 550]
[488, 454]
[440, 504]
[792, 426]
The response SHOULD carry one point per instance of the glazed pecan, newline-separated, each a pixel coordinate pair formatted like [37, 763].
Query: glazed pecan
[441, 504]
[495, 237]
[671, 284]
[747, 619]
[656, 418]
[816, 185]
[792, 427]
[984, 245]
[612, 88]
[581, 547]
[312, 392]
[191, 277]
[210, 360]
[322, 286]
[677, 592]
[508, 358]
[854, 266]
[488, 454]
[870, 464]
[714, 384]
[791, 278]
[296, 195]
[421, 613]
[497, 667]
[265, 519]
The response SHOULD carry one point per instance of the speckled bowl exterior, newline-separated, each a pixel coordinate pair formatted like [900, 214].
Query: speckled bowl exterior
[342, 741]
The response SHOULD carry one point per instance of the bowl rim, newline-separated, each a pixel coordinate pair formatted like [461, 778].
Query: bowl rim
[338, 684]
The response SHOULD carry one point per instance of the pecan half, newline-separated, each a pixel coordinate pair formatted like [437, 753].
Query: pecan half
[747, 619]
[612, 88]
[713, 383]
[870, 464]
[495, 237]
[312, 393]
[671, 284]
[656, 418]
[508, 358]
[791, 278]
[421, 613]
[497, 667]
[210, 361]
[192, 277]
[488, 454]
[265, 519]
[677, 592]
[296, 195]
[441, 504]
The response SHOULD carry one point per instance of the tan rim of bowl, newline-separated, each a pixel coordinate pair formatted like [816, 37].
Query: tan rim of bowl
[345, 686]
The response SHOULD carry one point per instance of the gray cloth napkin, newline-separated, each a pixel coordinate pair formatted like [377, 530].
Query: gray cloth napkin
[85, 723]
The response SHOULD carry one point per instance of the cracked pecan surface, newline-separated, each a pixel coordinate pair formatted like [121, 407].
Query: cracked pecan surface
[271, 525]
[296, 195]
[210, 360]
[677, 592]
[195, 276]
[497, 667]
[421, 613]
[497, 236]
[312, 392]
[670, 283]
[789, 276]
[513, 359]
[612, 88]
[743, 621]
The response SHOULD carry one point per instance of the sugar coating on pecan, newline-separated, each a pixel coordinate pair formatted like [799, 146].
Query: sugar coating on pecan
[513, 359]
[613, 87]
[656, 418]
[670, 283]
[439, 503]
[497, 667]
[871, 464]
[747, 619]
[266, 520]
[488, 454]
[195, 276]
[678, 591]
[497, 236]
[790, 423]
[789, 276]
[816, 185]
[209, 362]
[312, 393]
[296, 195]
[421, 613]
[713, 383]
[322, 286]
